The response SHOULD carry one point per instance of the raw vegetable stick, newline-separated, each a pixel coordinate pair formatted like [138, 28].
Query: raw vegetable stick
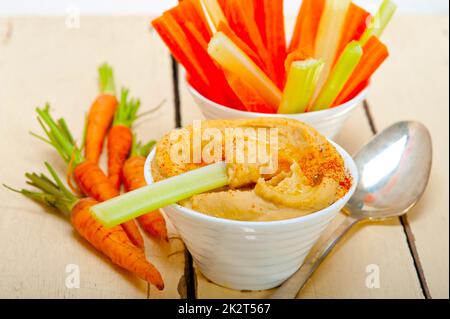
[328, 35]
[275, 38]
[374, 54]
[341, 72]
[249, 97]
[120, 137]
[192, 11]
[379, 21]
[112, 242]
[306, 26]
[221, 91]
[300, 86]
[225, 29]
[160, 194]
[354, 26]
[242, 20]
[233, 59]
[172, 34]
[214, 12]
[100, 114]
[88, 176]
[260, 18]
[133, 178]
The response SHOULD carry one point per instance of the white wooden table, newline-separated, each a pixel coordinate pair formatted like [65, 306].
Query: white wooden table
[42, 60]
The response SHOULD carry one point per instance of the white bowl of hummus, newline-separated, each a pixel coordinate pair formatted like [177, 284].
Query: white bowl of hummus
[328, 122]
[248, 237]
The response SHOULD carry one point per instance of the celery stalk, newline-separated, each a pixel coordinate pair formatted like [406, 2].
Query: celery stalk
[300, 86]
[340, 74]
[329, 34]
[169, 191]
[232, 58]
[214, 12]
[379, 21]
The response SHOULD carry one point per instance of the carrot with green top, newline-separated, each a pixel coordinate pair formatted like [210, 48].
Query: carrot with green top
[120, 137]
[112, 242]
[88, 176]
[101, 114]
[133, 178]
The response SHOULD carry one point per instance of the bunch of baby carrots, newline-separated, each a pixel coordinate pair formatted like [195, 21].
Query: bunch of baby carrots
[236, 54]
[110, 118]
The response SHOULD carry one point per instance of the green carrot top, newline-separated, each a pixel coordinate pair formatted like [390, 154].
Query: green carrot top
[127, 109]
[106, 79]
[53, 193]
[139, 149]
[59, 136]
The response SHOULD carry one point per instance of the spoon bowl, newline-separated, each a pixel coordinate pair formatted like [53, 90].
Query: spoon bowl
[394, 170]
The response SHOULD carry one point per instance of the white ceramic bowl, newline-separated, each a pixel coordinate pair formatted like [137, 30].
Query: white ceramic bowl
[328, 122]
[251, 255]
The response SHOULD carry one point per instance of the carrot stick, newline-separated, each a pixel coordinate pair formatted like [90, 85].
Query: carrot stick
[112, 242]
[120, 137]
[241, 17]
[220, 92]
[374, 54]
[306, 26]
[248, 95]
[354, 26]
[172, 34]
[276, 38]
[88, 176]
[133, 173]
[192, 11]
[100, 114]
[260, 18]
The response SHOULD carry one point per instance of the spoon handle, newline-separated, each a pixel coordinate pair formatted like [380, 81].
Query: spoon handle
[290, 288]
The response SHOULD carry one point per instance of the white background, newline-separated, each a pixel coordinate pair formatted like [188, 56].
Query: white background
[152, 7]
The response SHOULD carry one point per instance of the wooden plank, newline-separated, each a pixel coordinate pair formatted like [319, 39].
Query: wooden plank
[413, 85]
[43, 60]
[343, 274]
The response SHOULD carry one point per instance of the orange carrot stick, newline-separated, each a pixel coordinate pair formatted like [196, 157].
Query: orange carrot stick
[354, 26]
[88, 176]
[174, 37]
[275, 38]
[260, 18]
[220, 92]
[192, 11]
[133, 177]
[248, 95]
[113, 242]
[306, 26]
[100, 115]
[374, 54]
[241, 16]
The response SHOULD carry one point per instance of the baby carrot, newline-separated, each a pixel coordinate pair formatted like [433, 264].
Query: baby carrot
[120, 137]
[112, 242]
[100, 114]
[88, 176]
[133, 178]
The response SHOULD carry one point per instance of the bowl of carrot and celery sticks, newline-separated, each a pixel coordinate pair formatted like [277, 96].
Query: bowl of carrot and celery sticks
[238, 63]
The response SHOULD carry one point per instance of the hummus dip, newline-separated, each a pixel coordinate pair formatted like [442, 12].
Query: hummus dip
[310, 174]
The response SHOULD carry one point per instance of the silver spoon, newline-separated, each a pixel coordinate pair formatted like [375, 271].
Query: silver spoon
[394, 168]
